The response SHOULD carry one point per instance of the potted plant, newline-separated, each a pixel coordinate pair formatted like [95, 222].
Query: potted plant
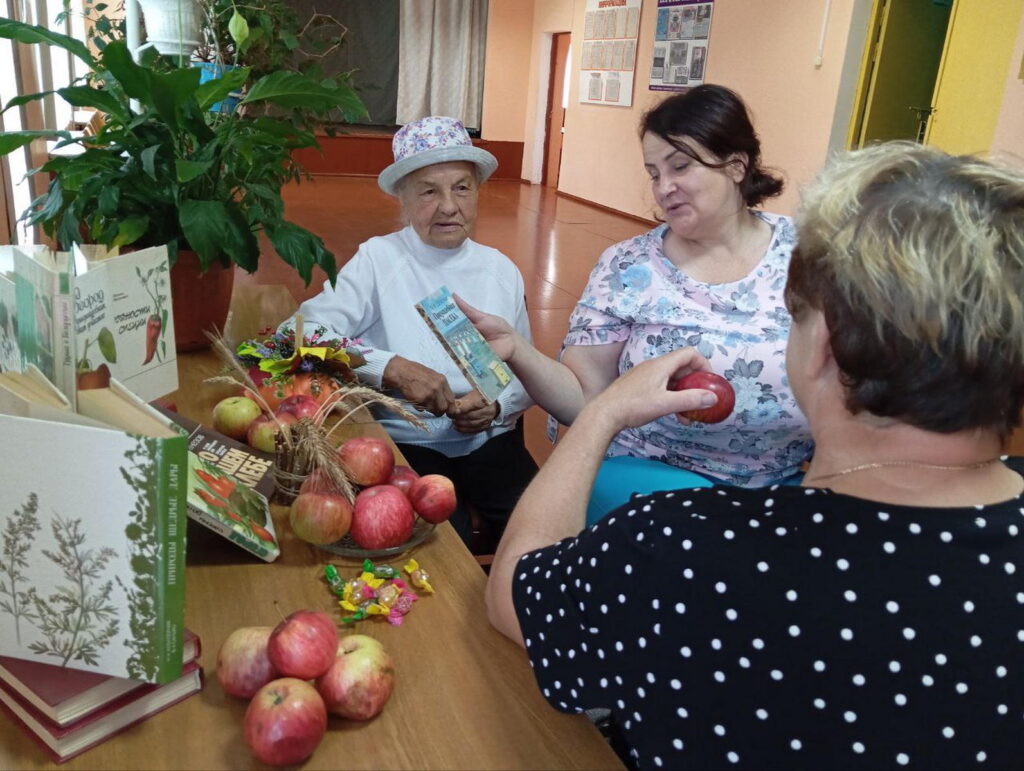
[165, 170]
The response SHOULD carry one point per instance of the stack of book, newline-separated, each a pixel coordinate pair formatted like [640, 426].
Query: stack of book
[68, 711]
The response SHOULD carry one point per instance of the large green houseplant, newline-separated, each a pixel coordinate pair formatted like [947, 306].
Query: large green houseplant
[165, 170]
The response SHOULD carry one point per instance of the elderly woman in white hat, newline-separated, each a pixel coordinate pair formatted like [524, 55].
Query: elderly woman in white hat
[436, 177]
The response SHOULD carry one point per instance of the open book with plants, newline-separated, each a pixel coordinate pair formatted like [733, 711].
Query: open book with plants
[92, 531]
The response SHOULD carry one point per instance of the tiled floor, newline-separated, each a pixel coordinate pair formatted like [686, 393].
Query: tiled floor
[554, 240]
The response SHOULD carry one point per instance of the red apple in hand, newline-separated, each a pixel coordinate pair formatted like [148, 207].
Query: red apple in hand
[285, 722]
[303, 645]
[320, 517]
[243, 666]
[299, 405]
[367, 460]
[718, 385]
[383, 517]
[433, 497]
[402, 478]
[233, 415]
[360, 680]
[262, 431]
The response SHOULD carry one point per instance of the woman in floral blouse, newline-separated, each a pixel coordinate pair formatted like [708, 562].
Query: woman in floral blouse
[710, 277]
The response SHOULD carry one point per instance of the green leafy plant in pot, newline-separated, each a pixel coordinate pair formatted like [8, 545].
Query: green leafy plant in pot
[165, 170]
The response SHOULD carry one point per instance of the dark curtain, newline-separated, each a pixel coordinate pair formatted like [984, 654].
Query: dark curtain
[370, 48]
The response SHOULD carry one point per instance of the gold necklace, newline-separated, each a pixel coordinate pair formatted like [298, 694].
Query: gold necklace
[910, 463]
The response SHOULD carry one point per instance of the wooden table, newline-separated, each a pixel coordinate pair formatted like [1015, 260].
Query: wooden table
[465, 696]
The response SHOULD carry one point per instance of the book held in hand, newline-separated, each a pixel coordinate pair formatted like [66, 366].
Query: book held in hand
[64, 742]
[467, 347]
[63, 696]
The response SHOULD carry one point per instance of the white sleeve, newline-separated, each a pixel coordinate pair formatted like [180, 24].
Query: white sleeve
[348, 309]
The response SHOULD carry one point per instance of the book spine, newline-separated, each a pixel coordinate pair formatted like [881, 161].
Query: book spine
[172, 467]
[64, 348]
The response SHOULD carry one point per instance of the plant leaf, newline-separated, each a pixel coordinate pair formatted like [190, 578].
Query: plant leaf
[170, 91]
[12, 140]
[290, 89]
[84, 96]
[238, 28]
[301, 249]
[149, 160]
[213, 91]
[30, 33]
[24, 99]
[130, 229]
[130, 76]
[107, 345]
[186, 171]
[216, 230]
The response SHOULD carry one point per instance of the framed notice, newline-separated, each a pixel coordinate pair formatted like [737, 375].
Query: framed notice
[681, 33]
[608, 58]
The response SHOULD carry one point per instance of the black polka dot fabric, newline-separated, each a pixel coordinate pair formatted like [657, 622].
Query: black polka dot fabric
[788, 627]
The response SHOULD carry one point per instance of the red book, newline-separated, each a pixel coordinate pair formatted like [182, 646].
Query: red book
[65, 742]
[63, 696]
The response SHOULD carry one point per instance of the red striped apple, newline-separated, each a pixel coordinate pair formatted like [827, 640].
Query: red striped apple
[360, 680]
[433, 497]
[383, 517]
[303, 645]
[320, 518]
[285, 722]
[367, 460]
[243, 666]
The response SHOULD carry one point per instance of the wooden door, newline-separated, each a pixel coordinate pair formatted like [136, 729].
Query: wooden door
[972, 74]
[556, 109]
[904, 50]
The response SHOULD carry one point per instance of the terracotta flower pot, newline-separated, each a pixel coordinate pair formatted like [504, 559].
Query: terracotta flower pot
[200, 300]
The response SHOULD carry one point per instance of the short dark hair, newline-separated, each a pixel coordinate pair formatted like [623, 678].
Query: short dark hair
[717, 118]
[915, 258]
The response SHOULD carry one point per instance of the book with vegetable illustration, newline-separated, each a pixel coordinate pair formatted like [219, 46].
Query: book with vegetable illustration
[92, 550]
[467, 347]
[226, 506]
[246, 464]
[124, 327]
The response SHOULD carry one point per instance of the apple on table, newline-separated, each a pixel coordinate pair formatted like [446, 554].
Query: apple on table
[285, 722]
[360, 681]
[303, 645]
[243, 666]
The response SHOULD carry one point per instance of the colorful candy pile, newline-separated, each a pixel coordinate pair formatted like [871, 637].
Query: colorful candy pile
[379, 590]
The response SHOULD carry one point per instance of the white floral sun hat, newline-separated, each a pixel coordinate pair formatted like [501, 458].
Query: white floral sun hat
[431, 140]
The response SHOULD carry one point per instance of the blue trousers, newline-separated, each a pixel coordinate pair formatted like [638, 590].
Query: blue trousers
[618, 478]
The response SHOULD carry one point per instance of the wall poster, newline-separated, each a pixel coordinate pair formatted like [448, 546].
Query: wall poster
[608, 58]
[681, 36]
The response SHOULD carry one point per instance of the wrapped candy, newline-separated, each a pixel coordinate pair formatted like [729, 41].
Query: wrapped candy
[418, 577]
[378, 591]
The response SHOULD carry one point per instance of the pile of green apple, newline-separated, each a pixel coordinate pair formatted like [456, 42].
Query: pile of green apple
[297, 674]
[384, 512]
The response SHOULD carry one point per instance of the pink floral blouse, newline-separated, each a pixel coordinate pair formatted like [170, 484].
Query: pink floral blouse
[637, 296]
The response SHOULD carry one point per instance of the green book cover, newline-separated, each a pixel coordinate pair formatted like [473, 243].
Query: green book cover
[92, 548]
[222, 503]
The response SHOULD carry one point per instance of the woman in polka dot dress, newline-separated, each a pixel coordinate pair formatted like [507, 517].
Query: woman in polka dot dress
[873, 617]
